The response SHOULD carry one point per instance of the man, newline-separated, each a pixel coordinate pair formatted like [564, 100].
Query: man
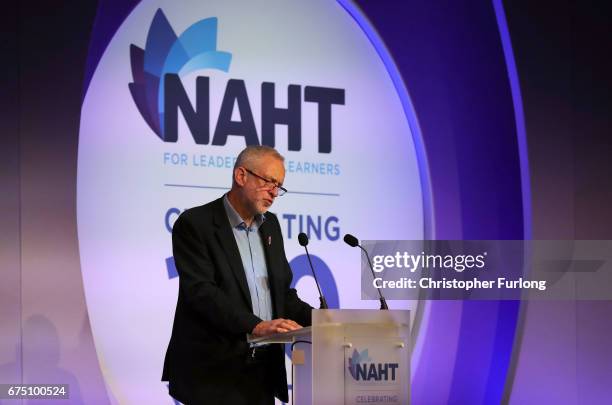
[234, 280]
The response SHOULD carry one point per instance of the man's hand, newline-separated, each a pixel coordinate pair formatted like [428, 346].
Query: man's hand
[265, 328]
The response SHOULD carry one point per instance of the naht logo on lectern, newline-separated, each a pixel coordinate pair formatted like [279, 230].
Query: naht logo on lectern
[362, 368]
[158, 92]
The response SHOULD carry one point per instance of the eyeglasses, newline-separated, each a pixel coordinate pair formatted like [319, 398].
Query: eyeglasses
[270, 184]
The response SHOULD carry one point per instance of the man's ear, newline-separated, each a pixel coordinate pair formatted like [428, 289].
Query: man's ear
[240, 176]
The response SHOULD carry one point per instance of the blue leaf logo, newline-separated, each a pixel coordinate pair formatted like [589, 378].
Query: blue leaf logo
[357, 358]
[165, 52]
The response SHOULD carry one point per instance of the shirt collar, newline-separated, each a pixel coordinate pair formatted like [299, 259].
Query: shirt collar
[235, 219]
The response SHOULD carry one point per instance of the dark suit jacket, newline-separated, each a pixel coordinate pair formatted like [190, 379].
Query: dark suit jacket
[214, 312]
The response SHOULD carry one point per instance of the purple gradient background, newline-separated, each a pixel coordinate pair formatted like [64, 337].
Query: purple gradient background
[458, 81]
[54, 341]
[10, 254]
[451, 60]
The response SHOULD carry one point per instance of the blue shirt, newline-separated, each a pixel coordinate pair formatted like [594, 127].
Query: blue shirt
[253, 258]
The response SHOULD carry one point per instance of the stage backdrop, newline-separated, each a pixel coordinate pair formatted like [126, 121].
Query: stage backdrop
[180, 89]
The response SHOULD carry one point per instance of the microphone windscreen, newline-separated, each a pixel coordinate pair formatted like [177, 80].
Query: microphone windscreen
[303, 239]
[351, 240]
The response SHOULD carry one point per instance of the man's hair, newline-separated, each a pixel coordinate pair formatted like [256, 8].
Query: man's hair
[252, 154]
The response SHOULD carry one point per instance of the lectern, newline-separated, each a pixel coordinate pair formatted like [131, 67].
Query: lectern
[350, 357]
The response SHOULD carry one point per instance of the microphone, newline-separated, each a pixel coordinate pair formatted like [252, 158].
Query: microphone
[354, 242]
[351, 240]
[303, 240]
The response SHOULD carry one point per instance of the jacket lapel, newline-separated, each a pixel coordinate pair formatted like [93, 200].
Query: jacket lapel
[226, 239]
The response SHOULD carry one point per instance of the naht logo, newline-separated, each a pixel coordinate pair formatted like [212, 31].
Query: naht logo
[159, 94]
[362, 368]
